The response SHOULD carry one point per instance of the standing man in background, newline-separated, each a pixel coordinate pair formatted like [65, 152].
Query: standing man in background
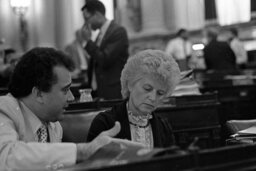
[108, 53]
[238, 48]
[180, 48]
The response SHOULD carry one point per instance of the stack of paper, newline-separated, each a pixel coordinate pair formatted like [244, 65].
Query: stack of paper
[187, 85]
[249, 133]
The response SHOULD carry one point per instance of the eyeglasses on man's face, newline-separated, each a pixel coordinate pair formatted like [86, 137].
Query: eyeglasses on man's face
[87, 16]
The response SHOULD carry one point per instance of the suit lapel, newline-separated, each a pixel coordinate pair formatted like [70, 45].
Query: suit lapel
[106, 35]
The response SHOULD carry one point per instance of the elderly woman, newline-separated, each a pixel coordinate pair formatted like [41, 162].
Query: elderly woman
[147, 78]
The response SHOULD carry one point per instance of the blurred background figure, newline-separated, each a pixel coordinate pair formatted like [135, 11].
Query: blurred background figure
[217, 54]
[80, 57]
[180, 48]
[238, 48]
[8, 60]
[9, 55]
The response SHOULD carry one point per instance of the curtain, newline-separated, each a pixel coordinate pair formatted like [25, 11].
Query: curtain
[187, 14]
[233, 11]
[50, 23]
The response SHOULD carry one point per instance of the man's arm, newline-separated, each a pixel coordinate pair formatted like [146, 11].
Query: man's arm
[118, 43]
[16, 154]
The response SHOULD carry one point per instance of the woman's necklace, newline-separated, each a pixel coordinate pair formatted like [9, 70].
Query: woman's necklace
[139, 121]
[139, 126]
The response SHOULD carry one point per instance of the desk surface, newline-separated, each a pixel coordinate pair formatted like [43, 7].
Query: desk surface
[240, 157]
[174, 102]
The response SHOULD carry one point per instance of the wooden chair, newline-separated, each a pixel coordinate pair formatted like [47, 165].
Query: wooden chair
[76, 126]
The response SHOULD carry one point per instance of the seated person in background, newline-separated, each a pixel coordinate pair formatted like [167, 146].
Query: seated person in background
[10, 60]
[147, 79]
[7, 64]
[40, 90]
[218, 55]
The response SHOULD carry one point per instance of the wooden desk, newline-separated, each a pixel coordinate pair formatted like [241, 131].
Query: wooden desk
[204, 75]
[232, 158]
[237, 102]
[95, 105]
[179, 101]
[191, 116]
[236, 91]
[192, 121]
[236, 94]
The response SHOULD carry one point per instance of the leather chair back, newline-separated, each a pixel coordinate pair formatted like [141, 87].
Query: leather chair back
[76, 126]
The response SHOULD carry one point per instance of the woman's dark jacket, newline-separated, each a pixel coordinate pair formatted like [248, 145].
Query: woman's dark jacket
[162, 131]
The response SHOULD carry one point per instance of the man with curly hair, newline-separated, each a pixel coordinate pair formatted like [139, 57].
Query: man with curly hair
[30, 134]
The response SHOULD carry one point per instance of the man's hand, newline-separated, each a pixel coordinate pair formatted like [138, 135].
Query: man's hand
[86, 32]
[85, 150]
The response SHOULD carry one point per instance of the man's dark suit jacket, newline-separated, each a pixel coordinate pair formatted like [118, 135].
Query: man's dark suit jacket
[109, 60]
[219, 55]
[162, 131]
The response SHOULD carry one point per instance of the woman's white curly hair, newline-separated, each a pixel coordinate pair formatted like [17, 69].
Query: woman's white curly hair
[155, 63]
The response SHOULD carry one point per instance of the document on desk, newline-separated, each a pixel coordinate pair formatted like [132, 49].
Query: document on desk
[249, 131]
